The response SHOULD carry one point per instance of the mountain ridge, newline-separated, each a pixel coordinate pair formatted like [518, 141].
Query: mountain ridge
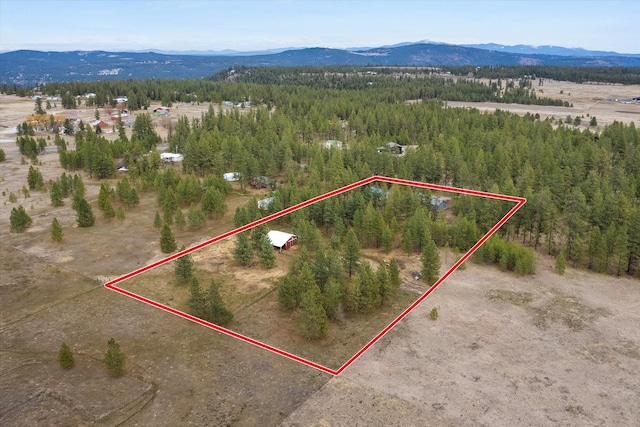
[28, 67]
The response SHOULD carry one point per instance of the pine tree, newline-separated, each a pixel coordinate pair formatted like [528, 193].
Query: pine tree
[184, 267]
[243, 252]
[19, 220]
[266, 254]
[217, 312]
[167, 241]
[34, 179]
[114, 359]
[369, 297]
[312, 318]
[180, 220]
[56, 194]
[197, 301]
[333, 299]
[213, 203]
[84, 213]
[168, 217]
[65, 357]
[196, 217]
[384, 283]
[108, 211]
[157, 221]
[120, 214]
[351, 253]
[561, 263]
[56, 231]
[256, 235]
[430, 262]
[394, 273]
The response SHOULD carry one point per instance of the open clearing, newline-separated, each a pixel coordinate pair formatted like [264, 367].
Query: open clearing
[589, 100]
[506, 350]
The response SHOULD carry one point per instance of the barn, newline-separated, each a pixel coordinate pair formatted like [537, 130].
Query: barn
[282, 240]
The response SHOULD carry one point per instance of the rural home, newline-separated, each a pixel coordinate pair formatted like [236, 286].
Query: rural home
[231, 176]
[162, 111]
[171, 157]
[98, 123]
[439, 203]
[116, 116]
[282, 240]
[332, 143]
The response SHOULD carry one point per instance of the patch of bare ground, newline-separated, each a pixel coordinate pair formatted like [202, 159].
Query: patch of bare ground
[488, 360]
[197, 376]
[589, 100]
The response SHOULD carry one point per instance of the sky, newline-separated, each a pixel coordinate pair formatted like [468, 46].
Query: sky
[132, 25]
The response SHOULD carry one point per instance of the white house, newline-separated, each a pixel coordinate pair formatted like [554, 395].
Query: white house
[231, 176]
[171, 157]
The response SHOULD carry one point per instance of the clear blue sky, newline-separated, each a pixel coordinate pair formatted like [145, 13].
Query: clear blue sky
[121, 25]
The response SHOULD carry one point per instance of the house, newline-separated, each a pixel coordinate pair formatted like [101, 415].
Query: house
[265, 204]
[231, 176]
[117, 116]
[98, 123]
[171, 157]
[332, 143]
[282, 240]
[439, 203]
[392, 148]
[162, 111]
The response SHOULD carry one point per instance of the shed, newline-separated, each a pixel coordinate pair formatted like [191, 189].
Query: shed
[265, 204]
[231, 176]
[171, 157]
[282, 240]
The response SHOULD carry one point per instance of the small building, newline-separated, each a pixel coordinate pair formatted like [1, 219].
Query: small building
[98, 123]
[393, 148]
[121, 99]
[332, 143]
[439, 203]
[119, 116]
[282, 240]
[162, 111]
[171, 157]
[231, 176]
[265, 204]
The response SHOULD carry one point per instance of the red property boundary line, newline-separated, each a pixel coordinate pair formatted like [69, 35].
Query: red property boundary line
[112, 284]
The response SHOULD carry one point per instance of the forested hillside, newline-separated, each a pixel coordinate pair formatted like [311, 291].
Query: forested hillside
[582, 187]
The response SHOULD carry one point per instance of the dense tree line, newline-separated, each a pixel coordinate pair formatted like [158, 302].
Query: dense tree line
[621, 75]
[582, 186]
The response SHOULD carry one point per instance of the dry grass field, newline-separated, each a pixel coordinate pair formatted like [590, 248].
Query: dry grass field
[506, 350]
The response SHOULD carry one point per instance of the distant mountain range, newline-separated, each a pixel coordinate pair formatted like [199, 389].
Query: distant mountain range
[26, 67]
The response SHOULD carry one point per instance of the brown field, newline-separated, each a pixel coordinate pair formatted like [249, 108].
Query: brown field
[506, 350]
[588, 100]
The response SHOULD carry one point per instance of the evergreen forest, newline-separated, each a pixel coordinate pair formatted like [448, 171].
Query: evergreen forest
[582, 186]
